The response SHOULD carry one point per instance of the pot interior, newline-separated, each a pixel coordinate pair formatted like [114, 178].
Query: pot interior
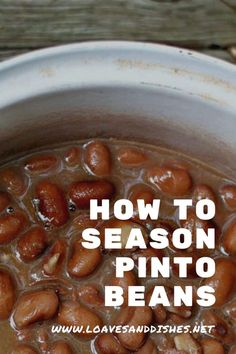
[186, 124]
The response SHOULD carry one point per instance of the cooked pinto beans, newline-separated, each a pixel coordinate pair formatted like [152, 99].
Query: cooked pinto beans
[203, 191]
[187, 343]
[98, 158]
[221, 330]
[229, 239]
[82, 192]
[32, 243]
[7, 294]
[52, 203]
[133, 317]
[4, 201]
[91, 296]
[14, 181]
[24, 349]
[35, 306]
[11, 226]
[109, 344]
[210, 345]
[41, 163]
[61, 347]
[131, 156]
[173, 181]
[230, 310]
[83, 261]
[47, 278]
[228, 194]
[72, 313]
[148, 348]
[72, 156]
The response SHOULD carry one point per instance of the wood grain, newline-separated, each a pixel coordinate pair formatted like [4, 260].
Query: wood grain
[199, 24]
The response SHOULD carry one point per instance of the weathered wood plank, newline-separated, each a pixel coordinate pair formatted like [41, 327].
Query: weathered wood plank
[220, 54]
[187, 23]
[7, 54]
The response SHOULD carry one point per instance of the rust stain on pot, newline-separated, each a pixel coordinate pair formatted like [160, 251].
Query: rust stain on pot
[132, 64]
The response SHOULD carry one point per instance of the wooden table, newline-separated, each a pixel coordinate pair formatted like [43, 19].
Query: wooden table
[208, 26]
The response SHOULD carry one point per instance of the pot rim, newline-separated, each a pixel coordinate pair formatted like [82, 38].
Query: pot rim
[112, 63]
[113, 44]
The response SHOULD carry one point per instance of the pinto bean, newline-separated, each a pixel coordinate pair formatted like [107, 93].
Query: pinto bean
[170, 180]
[108, 344]
[32, 243]
[13, 180]
[203, 191]
[221, 330]
[11, 225]
[72, 156]
[175, 319]
[35, 306]
[228, 194]
[91, 295]
[61, 347]
[82, 192]
[41, 163]
[83, 221]
[42, 338]
[148, 348]
[141, 191]
[133, 316]
[83, 261]
[24, 349]
[7, 294]
[223, 281]
[159, 311]
[53, 261]
[210, 346]
[4, 201]
[129, 279]
[183, 312]
[229, 238]
[97, 157]
[52, 203]
[72, 313]
[230, 310]
[187, 343]
[131, 156]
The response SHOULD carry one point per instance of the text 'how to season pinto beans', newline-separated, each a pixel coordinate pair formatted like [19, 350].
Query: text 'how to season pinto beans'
[131, 237]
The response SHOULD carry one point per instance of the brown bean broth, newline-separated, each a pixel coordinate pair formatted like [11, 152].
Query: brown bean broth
[30, 275]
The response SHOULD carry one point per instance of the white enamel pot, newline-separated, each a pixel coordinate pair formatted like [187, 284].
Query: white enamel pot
[134, 91]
